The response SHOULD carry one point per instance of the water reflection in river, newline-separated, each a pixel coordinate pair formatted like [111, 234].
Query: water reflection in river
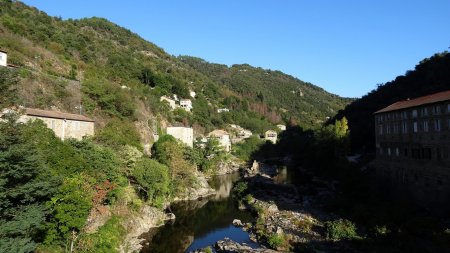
[201, 223]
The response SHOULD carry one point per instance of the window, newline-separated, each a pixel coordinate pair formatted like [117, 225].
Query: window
[389, 151]
[388, 129]
[415, 127]
[436, 109]
[53, 124]
[381, 151]
[404, 115]
[424, 112]
[397, 152]
[414, 113]
[437, 125]
[380, 129]
[425, 126]
[404, 127]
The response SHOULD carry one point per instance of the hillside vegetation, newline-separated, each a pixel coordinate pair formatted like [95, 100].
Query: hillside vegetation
[431, 75]
[100, 57]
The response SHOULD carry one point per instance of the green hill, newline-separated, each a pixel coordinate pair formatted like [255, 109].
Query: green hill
[118, 78]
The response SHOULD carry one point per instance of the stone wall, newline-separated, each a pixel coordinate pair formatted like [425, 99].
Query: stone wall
[65, 128]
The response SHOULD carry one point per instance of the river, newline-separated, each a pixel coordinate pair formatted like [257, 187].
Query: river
[201, 223]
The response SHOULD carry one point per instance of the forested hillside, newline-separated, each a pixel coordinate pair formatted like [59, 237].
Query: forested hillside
[429, 76]
[116, 75]
[278, 96]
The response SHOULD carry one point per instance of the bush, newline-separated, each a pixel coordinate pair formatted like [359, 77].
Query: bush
[240, 190]
[340, 229]
[275, 241]
[153, 178]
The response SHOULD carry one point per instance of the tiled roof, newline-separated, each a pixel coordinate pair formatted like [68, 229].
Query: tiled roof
[429, 99]
[56, 115]
[3, 51]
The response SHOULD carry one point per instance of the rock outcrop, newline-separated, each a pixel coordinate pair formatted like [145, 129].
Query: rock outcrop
[148, 217]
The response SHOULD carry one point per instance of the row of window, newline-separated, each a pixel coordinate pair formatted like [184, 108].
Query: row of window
[424, 153]
[415, 113]
[434, 125]
[76, 125]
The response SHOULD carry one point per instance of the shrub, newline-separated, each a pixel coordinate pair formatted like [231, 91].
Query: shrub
[340, 229]
[240, 190]
[153, 179]
[275, 241]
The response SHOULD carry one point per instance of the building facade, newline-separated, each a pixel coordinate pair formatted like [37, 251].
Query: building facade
[413, 148]
[186, 104]
[271, 135]
[3, 58]
[184, 134]
[65, 125]
[223, 137]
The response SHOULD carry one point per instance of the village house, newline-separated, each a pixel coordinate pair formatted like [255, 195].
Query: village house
[65, 125]
[271, 135]
[281, 127]
[171, 102]
[239, 134]
[223, 137]
[3, 58]
[186, 104]
[413, 149]
[184, 134]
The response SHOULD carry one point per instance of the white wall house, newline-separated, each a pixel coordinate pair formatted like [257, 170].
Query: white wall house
[184, 134]
[186, 104]
[3, 58]
[223, 137]
[271, 136]
[170, 101]
[65, 125]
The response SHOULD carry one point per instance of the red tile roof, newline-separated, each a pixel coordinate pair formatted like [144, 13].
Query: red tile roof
[56, 115]
[429, 99]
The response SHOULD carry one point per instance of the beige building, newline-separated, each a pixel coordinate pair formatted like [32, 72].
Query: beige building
[184, 134]
[223, 137]
[413, 149]
[65, 125]
[3, 58]
[271, 135]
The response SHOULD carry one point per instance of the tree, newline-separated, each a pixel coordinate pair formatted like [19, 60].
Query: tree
[153, 179]
[25, 184]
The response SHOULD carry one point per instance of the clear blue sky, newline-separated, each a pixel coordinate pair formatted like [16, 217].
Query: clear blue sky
[347, 47]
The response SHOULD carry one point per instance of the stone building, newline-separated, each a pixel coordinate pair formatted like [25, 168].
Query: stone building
[184, 134]
[65, 125]
[413, 149]
[3, 58]
[223, 137]
[271, 135]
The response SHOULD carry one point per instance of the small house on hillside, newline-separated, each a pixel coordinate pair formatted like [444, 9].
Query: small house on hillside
[184, 134]
[220, 110]
[186, 104]
[3, 58]
[271, 135]
[223, 137]
[65, 125]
